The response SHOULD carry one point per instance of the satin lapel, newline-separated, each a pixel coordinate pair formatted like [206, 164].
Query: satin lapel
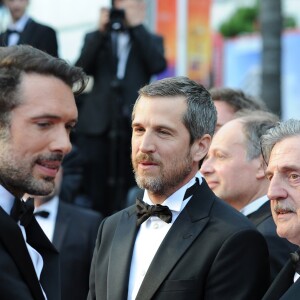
[61, 226]
[282, 282]
[50, 277]
[187, 227]
[12, 238]
[293, 292]
[120, 256]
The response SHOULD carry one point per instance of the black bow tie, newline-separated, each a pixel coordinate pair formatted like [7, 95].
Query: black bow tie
[144, 210]
[11, 31]
[296, 260]
[23, 211]
[42, 213]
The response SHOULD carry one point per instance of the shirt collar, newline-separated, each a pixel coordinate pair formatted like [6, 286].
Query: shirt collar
[20, 24]
[254, 205]
[6, 199]
[49, 206]
[175, 201]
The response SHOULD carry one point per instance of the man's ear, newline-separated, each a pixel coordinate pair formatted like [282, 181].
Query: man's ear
[200, 147]
[260, 173]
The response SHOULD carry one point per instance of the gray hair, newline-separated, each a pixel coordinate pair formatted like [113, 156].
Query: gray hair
[280, 132]
[200, 117]
[255, 125]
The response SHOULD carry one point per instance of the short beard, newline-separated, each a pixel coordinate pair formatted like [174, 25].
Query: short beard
[169, 179]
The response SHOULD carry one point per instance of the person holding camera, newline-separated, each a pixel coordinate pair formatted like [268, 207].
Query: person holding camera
[121, 56]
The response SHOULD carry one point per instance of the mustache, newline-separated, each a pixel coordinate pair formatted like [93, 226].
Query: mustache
[50, 157]
[146, 157]
[283, 208]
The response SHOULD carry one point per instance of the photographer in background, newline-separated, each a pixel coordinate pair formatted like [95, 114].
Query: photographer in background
[121, 56]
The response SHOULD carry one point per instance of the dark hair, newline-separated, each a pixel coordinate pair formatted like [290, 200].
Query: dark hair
[200, 117]
[237, 99]
[15, 61]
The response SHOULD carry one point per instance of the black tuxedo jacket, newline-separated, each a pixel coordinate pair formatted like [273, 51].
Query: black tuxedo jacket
[36, 35]
[18, 279]
[146, 58]
[283, 287]
[74, 236]
[279, 248]
[211, 252]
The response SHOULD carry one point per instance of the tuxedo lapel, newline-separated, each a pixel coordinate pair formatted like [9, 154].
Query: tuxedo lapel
[26, 34]
[50, 279]
[12, 238]
[281, 283]
[261, 214]
[61, 226]
[121, 252]
[4, 39]
[293, 292]
[187, 227]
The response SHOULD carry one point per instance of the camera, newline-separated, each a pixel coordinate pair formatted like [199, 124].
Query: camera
[117, 19]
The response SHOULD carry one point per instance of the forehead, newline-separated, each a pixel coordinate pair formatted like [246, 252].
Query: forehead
[45, 92]
[285, 153]
[224, 110]
[229, 136]
[158, 108]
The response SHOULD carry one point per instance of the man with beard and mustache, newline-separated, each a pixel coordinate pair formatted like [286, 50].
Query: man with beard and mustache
[37, 113]
[280, 147]
[181, 242]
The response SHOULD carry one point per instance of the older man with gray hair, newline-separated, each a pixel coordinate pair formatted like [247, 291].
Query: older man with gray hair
[280, 146]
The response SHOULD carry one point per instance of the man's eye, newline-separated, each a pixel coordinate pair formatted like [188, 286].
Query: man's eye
[163, 132]
[294, 176]
[138, 129]
[43, 124]
[220, 155]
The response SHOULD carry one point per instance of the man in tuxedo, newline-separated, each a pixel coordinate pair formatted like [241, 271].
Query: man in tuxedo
[121, 56]
[181, 241]
[280, 147]
[24, 30]
[234, 170]
[229, 101]
[73, 231]
[38, 111]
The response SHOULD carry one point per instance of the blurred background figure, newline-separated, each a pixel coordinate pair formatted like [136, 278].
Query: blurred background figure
[73, 232]
[228, 101]
[24, 30]
[121, 56]
[234, 170]
[72, 177]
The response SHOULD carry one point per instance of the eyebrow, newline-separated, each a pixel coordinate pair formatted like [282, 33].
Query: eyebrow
[49, 116]
[285, 169]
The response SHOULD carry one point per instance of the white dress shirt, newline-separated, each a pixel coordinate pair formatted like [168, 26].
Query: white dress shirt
[18, 26]
[6, 202]
[123, 46]
[150, 236]
[254, 205]
[48, 224]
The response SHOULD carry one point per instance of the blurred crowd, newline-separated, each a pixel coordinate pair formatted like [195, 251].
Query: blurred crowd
[242, 156]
